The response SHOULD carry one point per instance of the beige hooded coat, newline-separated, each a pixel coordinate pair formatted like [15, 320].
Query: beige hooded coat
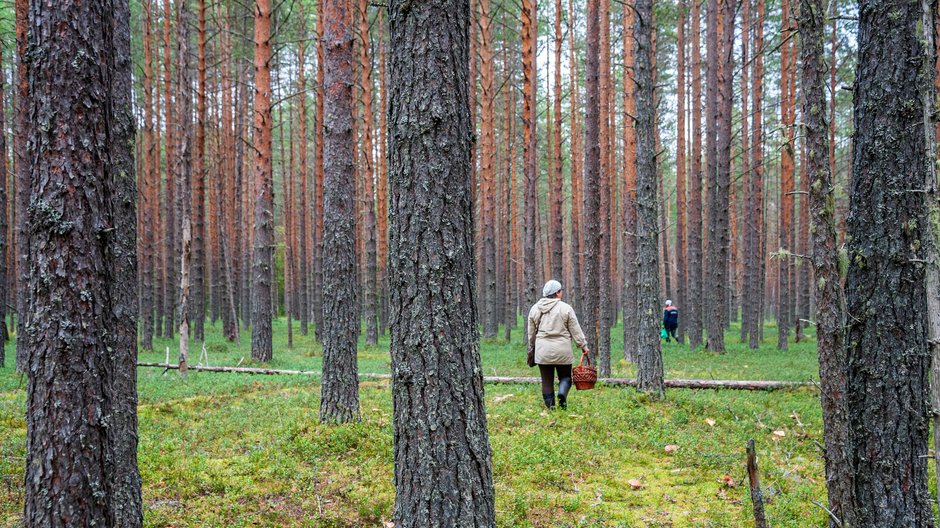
[553, 334]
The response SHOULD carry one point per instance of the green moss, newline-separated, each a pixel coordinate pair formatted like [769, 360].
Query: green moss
[237, 450]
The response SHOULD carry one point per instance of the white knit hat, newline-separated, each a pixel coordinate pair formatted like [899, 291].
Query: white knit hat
[551, 288]
[668, 303]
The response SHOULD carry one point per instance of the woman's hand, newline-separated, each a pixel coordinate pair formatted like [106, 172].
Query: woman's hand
[586, 350]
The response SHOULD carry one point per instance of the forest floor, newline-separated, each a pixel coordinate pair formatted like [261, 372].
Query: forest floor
[233, 450]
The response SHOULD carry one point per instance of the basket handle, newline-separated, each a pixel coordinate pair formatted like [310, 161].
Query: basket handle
[584, 355]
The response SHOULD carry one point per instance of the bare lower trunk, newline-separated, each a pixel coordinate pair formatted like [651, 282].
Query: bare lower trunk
[649, 355]
[888, 370]
[81, 343]
[339, 400]
[437, 384]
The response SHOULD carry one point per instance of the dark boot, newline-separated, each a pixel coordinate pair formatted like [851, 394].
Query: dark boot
[549, 401]
[564, 385]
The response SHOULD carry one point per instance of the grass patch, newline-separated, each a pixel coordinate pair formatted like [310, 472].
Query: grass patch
[237, 450]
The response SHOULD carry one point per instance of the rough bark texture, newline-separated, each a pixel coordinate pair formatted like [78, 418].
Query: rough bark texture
[4, 238]
[574, 288]
[170, 252]
[590, 189]
[720, 183]
[785, 217]
[694, 308]
[263, 189]
[753, 228]
[649, 354]
[81, 341]
[529, 156]
[681, 262]
[21, 165]
[629, 297]
[744, 259]
[147, 195]
[304, 239]
[488, 170]
[830, 299]
[370, 290]
[339, 400]
[198, 289]
[317, 301]
[557, 193]
[887, 348]
[443, 468]
[604, 191]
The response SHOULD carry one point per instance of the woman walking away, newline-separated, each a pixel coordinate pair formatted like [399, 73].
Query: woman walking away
[552, 326]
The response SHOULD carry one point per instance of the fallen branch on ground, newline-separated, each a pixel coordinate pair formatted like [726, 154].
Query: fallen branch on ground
[753, 385]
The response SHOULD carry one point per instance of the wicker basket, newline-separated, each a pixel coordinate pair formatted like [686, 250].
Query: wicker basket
[584, 376]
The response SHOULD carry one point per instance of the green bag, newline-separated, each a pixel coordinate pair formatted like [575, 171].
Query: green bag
[663, 334]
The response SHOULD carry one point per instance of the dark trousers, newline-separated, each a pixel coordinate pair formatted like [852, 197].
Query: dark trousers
[671, 332]
[548, 377]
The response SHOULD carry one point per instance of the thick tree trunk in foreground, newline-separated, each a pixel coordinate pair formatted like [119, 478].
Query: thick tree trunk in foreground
[339, 400]
[887, 348]
[263, 190]
[830, 299]
[83, 267]
[443, 468]
[754, 231]
[649, 354]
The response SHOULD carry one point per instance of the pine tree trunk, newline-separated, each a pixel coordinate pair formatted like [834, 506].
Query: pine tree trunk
[170, 252]
[649, 355]
[681, 245]
[382, 185]
[694, 306]
[886, 286]
[591, 189]
[436, 378]
[184, 151]
[4, 225]
[488, 171]
[629, 299]
[146, 194]
[747, 259]
[720, 177]
[755, 231]
[830, 299]
[370, 306]
[340, 389]
[21, 131]
[317, 305]
[199, 187]
[604, 191]
[302, 224]
[530, 157]
[86, 391]
[785, 224]
[263, 245]
[557, 193]
[576, 165]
